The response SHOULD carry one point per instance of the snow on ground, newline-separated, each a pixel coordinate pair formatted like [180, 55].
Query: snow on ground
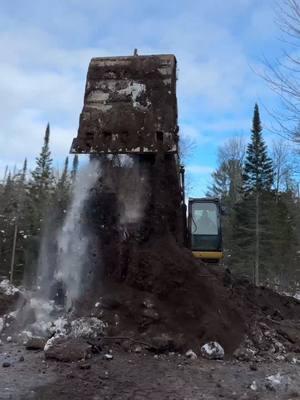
[297, 295]
[7, 288]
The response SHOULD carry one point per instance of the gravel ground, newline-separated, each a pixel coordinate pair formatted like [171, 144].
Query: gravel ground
[139, 376]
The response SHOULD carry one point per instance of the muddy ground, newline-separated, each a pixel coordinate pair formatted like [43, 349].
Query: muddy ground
[142, 376]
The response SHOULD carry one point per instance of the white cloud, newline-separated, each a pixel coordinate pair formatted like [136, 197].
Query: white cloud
[44, 54]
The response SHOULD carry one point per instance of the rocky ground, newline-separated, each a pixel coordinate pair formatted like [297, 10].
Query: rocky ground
[142, 375]
[119, 347]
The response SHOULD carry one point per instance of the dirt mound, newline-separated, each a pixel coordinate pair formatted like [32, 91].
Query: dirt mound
[151, 285]
[171, 300]
[166, 292]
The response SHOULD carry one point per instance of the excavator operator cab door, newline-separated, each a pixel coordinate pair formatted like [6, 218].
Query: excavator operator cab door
[204, 229]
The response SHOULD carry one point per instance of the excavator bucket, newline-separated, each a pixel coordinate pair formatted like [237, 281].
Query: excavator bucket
[130, 106]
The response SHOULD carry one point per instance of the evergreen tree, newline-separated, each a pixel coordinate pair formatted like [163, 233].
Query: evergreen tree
[258, 170]
[38, 203]
[252, 227]
[24, 171]
[74, 168]
[62, 192]
[43, 173]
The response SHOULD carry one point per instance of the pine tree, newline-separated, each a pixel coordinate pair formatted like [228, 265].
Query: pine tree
[220, 183]
[43, 173]
[38, 201]
[74, 168]
[252, 227]
[62, 193]
[258, 170]
[24, 171]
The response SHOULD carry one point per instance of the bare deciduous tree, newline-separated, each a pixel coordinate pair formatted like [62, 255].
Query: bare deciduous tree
[282, 164]
[283, 76]
[233, 149]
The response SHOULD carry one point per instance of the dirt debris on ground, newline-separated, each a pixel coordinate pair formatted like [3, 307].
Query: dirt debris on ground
[143, 376]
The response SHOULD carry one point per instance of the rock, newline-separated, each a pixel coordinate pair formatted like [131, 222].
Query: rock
[279, 347]
[138, 349]
[108, 356]
[290, 331]
[253, 386]
[85, 366]
[151, 314]
[21, 359]
[273, 382]
[162, 343]
[253, 367]
[244, 354]
[212, 351]
[67, 349]
[6, 364]
[35, 343]
[9, 339]
[291, 358]
[191, 354]
[87, 327]
[1, 325]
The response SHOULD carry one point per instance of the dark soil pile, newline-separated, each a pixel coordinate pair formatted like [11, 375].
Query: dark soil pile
[152, 286]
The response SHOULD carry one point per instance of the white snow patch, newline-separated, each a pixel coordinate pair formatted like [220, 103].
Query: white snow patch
[13, 314]
[135, 89]
[7, 288]
[60, 326]
[297, 295]
[50, 342]
[275, 379]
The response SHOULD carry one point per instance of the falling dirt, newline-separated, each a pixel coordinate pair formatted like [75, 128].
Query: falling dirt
[153, 285]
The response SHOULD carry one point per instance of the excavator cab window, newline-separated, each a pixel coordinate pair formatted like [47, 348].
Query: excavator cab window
[205, 235]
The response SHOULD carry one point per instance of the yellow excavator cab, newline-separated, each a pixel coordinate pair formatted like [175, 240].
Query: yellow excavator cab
[204, 229]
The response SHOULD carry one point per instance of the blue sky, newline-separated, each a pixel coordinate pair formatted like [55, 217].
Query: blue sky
[45, 48]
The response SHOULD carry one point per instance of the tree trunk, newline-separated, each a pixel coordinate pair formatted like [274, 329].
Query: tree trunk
[13, 253]
[257, 240]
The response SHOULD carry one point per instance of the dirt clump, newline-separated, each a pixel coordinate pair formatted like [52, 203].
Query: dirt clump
[8, 302]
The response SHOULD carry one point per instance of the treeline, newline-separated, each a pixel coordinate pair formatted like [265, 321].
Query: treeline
[261, 222]
[30, 201]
